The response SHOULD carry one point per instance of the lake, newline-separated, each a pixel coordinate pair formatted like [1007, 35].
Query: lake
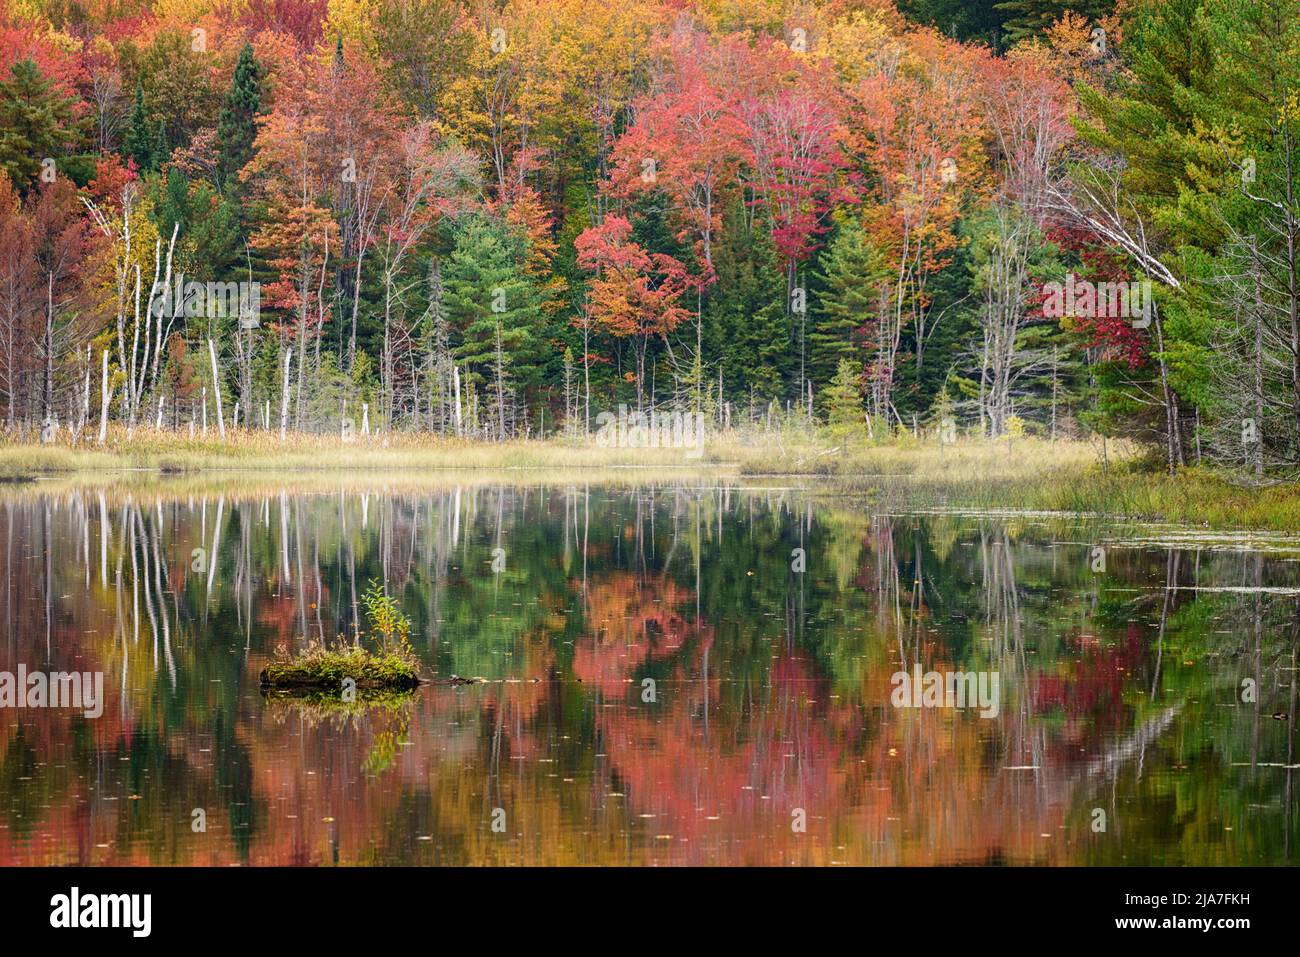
[686, 672]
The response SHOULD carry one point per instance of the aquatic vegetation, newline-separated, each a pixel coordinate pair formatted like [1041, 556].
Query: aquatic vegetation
[392, 627]
[322, 668]
[390, 665]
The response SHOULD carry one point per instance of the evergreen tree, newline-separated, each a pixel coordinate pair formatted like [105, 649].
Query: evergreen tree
[851, 276]
[979, 20]
[1031, 18]
[162, 151]
[237, 124]
[492, 304]
[36, 122]
[745, 329]
[172, 203]
[139, 144]
[843, 399]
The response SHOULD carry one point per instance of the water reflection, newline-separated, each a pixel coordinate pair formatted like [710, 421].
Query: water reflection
[674, 674]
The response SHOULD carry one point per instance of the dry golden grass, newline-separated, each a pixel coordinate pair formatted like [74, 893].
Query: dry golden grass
[967, 461]
[785, 452]
[1026, 473]
[176, 452]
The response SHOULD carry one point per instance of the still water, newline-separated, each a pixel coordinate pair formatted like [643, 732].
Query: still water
[680, 673]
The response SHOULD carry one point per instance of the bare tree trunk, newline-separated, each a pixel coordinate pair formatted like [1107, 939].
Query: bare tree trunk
[103, 401]
[284, 394]
[216, 388]
[47, 393]
[586, 374]
[1170, 400]
[85, 397]
[455, 380]
[1256, 281]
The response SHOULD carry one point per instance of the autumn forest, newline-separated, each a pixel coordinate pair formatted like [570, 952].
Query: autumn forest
[976, 328]
[497, 220]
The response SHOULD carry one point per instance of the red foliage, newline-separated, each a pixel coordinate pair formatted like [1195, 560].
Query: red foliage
[637, 292]
[24, 41]
[1115, 335]
[304, 20]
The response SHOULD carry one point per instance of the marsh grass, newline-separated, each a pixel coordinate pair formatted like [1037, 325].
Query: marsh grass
[785, 451]
[969, 460]
[1024, 473]
[325, 669]
[391, 666]
[1193, 496]
[167, 451]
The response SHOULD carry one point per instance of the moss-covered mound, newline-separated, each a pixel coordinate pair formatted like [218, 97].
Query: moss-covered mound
[328, 671]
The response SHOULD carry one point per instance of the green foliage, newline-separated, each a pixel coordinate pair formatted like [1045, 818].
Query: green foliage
[843, 400]
[1030, 18]
[745, 329]
[37, 121]
[979, 20]
[853, 272]
[328, 670]
[490, 300]
[237, 124]
[139, 143]
[1169, 114]
[177, 84]
[420, 40]
[387, 622]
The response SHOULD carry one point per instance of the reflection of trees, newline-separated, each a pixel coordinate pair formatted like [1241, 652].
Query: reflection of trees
[772, 684]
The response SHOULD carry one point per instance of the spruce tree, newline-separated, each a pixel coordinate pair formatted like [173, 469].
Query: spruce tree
[140, 142]
[36, 121]
[844, 401]
[487, 294]
[162, 151]
[237, 124]
[852, 275]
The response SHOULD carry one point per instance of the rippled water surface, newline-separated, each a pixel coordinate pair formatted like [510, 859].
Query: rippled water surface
[673, 674]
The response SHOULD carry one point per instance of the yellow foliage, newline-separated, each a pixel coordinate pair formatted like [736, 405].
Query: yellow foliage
[181, 13]
[861, 45]
[353, 20]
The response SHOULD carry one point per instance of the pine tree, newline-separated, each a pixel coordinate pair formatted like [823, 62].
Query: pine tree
[852, 275]
[843, 399]
[140, 143]
[745, 324]
[962, 19]
[172, 203]
[237, 124]
[162, 151]
[36, 122]
[943, 416]
[487, 294]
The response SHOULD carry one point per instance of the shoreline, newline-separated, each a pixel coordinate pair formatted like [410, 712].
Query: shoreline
[1027, 475]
